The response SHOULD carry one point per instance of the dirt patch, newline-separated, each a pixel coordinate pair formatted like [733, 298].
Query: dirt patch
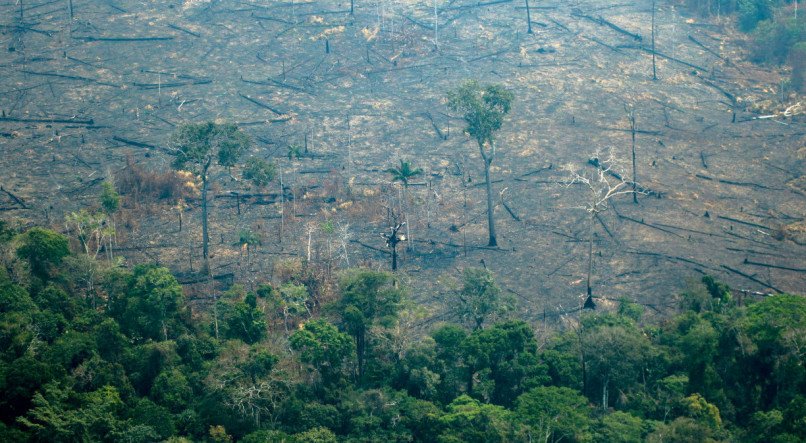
[360, 91]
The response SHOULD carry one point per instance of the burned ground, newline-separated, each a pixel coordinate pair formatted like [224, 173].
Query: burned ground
[359, 91]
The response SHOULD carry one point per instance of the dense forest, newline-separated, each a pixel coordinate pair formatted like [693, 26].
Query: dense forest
[96, 352]
[152, 302]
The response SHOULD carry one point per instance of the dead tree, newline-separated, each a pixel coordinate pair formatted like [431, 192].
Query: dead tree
[654, 70]
[631, 118]
[392, 239]
[601, 186]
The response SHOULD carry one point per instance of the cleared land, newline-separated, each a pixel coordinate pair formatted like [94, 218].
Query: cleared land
[80, 95]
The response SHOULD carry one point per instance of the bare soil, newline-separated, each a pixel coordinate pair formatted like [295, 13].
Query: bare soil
[81, 95]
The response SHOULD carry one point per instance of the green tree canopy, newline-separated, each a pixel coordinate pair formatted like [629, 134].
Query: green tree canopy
[555, 414]
[197, 144]
[43, 249]
[368, 298]
[483, 107]
[324, 348]
[259, 172]
[151, 305]
[479, 297]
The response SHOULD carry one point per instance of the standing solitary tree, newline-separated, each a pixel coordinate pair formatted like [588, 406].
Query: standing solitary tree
[483, 108]
[259, 172]
[196, 148]
[631, 118]
[403, 174]
[601, 186]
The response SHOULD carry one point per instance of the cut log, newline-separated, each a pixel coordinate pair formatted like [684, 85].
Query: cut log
[735, 220]
[767, 265]
[170, 85]
[73, 121]
[751, 278]
[439, 132]
[68, 77]
[17, 200]
[141, 144]
[181, 29]
[641, 222]
[602, 21]
[261, 104]
[123, 39]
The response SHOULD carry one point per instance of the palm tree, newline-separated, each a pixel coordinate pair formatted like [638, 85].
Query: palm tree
[403, 174]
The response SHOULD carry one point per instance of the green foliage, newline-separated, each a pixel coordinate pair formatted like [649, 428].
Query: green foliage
[324, 348]
[618, 427]
[110, 199]
[140, 369]
[629, 309]
[554, 413]
[14, 298]
[294, 152]
[776, 328]
[368, 298]
[171, 390]
[448, 365]
[151, 305]
[196, 144]
[469, 421]
[43, 249]
[218, 434]
[316, 435]
[716, 289]
[697, 408]
[797, 59]
[7, 232]
[151, 419]
[480, 297]
[777, 323]
[243, 320]
[482, 107]
[404, 172]
[91, 229]
[617, 359]
[264, 436]
[259, 172]
[774, 39]
[503, 362]
[59, 415]
[294, 300]
[751, 12]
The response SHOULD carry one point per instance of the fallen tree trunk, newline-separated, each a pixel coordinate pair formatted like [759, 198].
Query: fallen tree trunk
[439, 132]
[48, 120]
[602, 21]
[751, 278]
[17, 200]
[736, 220]
[123, 39]
[767, 265]
[261, 104]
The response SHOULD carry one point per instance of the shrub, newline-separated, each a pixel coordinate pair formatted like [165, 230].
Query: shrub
[797, 59]
[142, 184]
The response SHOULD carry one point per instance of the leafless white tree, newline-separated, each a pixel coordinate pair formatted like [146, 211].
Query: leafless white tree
[601, 184]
